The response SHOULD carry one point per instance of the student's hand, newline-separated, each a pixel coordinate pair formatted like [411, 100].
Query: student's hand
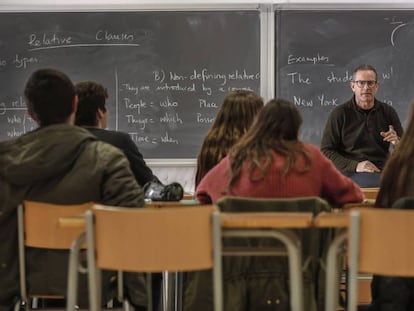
[367, 167]
[391, 136]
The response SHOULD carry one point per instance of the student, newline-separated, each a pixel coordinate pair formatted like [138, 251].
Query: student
[396, 293]
[235, 116]
[56, 163]
[269, 161]
[358, 133]
[93, 115]
[233, 119]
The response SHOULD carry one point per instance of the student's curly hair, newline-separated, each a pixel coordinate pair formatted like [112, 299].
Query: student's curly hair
[92, 96]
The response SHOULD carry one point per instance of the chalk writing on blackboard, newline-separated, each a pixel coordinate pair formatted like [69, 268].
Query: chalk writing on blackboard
[167, 72]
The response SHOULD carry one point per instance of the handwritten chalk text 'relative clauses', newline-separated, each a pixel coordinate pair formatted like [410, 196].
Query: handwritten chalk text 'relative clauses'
[55, 39]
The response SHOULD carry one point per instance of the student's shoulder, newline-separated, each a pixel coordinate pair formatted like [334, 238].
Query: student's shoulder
[314, 150]
[116, 138]
[311, 148]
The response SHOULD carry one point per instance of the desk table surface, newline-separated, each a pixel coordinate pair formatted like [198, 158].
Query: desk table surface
[336, 219]
[250, 220]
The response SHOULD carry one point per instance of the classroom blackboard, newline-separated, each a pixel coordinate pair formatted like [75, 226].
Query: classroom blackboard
[317, 51]
[167, 72]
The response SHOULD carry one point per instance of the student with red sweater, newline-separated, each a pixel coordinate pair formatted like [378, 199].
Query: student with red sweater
[269, 161]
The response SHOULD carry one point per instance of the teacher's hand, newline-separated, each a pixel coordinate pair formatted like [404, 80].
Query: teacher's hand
[390, 136]
[367, 167]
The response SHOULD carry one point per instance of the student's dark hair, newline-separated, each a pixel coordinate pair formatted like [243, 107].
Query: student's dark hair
[49, 96]
[397, 178]
[233, 119]
[92, 96]
[365, 67]
[273, 133]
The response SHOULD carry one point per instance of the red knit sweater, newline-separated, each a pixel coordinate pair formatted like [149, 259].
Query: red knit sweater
[323, 180]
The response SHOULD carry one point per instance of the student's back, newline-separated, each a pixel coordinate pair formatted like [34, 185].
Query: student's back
[123, 141]
[269, 161]
[57, 163]
[93, 115]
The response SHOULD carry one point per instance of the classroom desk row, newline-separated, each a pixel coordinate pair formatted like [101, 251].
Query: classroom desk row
[278, 225]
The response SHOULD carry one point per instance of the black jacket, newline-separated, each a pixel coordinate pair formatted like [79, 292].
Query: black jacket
[123, 141]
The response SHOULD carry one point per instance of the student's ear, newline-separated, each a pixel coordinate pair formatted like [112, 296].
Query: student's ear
[75, 104]
[99, 114]
[31, 114]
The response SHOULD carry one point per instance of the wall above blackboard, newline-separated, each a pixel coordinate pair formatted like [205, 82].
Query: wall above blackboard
[317, 51]
[167, 72]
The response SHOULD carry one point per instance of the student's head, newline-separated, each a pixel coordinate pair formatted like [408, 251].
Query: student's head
[274, 133]
[92, 104]
[50, 97]
[278, 120]
[237, 112]
[235, 116]
[397, 178]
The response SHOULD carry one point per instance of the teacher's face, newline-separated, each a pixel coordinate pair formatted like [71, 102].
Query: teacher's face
[365, 87]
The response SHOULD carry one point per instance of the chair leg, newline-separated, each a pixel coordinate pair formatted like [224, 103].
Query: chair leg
[149, 291]
[127, 306]
[73, 272]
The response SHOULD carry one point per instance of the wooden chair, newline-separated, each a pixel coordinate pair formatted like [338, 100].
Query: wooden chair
[153, 240]
[380, 242]
[39, 227]
[288, 221]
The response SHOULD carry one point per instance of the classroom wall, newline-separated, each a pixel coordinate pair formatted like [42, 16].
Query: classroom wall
[183, 173]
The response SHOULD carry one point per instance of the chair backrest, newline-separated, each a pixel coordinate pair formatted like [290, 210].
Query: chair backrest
[385, 241]
[152, 240]
[39, 226]
[42, 226]
[404, 203]
[314, 242]
[314, 205]
[380, 242]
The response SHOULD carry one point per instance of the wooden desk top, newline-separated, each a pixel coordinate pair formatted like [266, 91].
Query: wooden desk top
[250, 220]
[331, 220]
[266, 220]
[370, 193]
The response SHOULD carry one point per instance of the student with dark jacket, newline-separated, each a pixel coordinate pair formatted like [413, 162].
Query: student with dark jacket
[93, 115]
[57, 163]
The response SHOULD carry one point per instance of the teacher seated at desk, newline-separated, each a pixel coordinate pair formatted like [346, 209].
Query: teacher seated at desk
[358, 133]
